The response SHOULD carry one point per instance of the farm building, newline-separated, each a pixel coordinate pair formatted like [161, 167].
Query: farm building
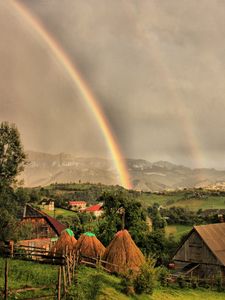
[77, 205]
[96, 210]
[48, 204]
[202, 253]
[44, 229]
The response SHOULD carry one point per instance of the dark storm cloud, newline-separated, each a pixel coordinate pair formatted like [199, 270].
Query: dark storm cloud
[156, 67]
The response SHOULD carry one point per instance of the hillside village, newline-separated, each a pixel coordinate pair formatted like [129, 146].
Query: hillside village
[141, 241]
[192, 254]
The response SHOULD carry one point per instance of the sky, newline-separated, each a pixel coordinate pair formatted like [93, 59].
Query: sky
[156, 67]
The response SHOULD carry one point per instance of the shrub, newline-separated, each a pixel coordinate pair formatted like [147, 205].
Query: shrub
[163, 274]
[181, 281]
[127, 283]
[145, 281]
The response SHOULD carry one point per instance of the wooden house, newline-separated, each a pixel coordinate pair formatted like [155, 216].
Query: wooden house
[44, 229]
[202, 253]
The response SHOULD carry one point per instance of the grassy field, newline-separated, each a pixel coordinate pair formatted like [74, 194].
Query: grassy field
[177, 230]
[180, 199]
[28, 274]
[186, 294]
[92, 284]
[59, 211]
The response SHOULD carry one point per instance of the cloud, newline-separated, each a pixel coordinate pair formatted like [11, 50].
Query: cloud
[156, 67]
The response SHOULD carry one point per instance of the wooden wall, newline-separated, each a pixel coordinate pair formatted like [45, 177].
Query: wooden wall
[195, 250]
[41, 228]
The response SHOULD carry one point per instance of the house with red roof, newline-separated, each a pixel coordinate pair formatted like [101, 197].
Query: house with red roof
[76, 205]
[96, 210]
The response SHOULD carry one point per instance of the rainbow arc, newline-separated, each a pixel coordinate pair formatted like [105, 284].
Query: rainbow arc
[80, 83]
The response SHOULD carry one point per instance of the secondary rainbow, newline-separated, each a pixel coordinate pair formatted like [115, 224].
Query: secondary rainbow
[88, 96]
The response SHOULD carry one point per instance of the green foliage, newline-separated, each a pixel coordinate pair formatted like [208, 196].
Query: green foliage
[127, 283]
[135, 216]
[23, 273]
[146, 279]
[25, 231]
[181, 281]
[157, 220]
[162, 275]
[181, 215]
[9, 208]
[12, 156]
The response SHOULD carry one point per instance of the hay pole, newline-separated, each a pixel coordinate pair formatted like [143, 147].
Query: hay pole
[68, 271]
[59, 283]
[64, 280]
[6, 279]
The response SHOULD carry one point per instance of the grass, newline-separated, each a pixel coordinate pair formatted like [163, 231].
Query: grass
[92, 284]
[180, 199]
[177, 230]
[186, 294]
[59, 211]
[28, 274]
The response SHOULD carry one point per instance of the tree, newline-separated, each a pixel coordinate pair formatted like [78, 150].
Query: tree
[12, 156]
[12, 160]
[115, 204]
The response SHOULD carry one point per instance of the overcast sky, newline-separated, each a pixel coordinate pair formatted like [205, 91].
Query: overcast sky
[156, 67]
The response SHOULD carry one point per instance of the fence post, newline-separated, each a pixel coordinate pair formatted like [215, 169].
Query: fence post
[59, 283]
[64, 280]
[6, 278]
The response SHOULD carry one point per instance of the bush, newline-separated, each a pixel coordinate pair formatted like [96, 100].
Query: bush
[181, 281]
[127, 283]
[163, 274]
[145, 281]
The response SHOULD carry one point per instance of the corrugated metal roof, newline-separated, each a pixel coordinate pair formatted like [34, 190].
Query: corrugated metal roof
[214, 237]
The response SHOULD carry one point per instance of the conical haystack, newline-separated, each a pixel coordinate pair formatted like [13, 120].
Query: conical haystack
[66, 243]
[122, 254]
[88, 245]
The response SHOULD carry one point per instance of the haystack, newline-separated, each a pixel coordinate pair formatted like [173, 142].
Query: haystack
[88, 245]
[66, 242]
[123, 254]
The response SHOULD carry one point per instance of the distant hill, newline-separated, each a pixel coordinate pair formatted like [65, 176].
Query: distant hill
[147, 176]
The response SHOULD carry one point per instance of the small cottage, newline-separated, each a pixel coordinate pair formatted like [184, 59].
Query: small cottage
[202, 253]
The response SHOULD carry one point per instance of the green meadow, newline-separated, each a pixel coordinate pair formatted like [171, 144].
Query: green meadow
[92, 284]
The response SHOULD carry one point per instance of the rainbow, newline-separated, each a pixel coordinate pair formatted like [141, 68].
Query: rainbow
[85, 91]
[176, 97]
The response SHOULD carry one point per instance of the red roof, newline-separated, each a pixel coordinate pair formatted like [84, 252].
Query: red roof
[96, 207]
[59, 227]
[76, 202]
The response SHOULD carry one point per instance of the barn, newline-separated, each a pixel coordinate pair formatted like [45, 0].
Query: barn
[202, 253]
[44, 229]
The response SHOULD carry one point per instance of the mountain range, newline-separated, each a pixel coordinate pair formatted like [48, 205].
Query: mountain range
[44, 169]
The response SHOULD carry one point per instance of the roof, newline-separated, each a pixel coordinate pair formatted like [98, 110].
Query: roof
[93, 208]
[76, 202]
[214, 237]
[31, 212]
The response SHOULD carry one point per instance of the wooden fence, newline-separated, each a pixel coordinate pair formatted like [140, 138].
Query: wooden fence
[67, 270]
